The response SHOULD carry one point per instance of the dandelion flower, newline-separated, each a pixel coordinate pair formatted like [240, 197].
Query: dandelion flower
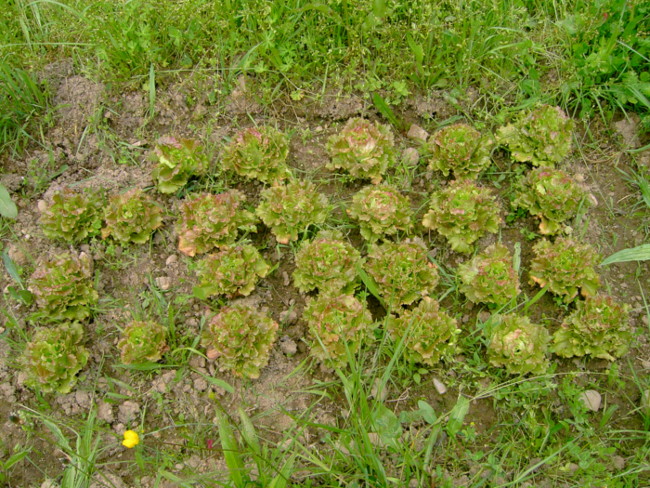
[131, 439]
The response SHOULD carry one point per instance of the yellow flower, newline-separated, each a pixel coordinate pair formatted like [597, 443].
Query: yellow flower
[131, 439]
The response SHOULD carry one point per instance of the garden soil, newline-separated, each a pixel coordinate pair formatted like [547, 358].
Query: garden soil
[100, 138]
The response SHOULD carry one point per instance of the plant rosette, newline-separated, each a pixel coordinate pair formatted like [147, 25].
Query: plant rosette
[234, 270]
[142, 341]
[63, 288]
[552, 196]
[402, 271]
[463, 212]
[327, 263]
[541, 136]
[428, 332]
[72, 216]
[178, 161]
[210, 221]
[131, 217]
[565, 267]
[459, 149]
[53, 357]
[381, 210]
[258, 153]
[490, 277]
[518, 345]
[362, 148]
[240, 339]
[290, 209]
[599, 327]
[338, 325]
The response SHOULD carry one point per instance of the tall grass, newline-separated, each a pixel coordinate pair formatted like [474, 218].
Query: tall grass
[586, 55]
[21, 99]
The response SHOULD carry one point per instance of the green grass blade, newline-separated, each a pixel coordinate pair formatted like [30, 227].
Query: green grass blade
[15, 459]
[231, 452]
[383, 108]
[152, 90]
[12, 269]
[639, 253]
[8, 208]
[249, 436]
[457, 416]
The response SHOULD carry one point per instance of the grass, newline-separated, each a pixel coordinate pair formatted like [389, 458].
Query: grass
[584, 55]
[380, 421]
[22, 98]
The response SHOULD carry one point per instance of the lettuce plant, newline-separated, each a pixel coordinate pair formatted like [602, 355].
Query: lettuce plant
[599, 327]
[234, 270]
[53, 358]
[337, 323]
[429, 333]
[72, 216]
[463, 213]
[208, 221]
[402, 271]
[552, 195]
[289, 209]
[542, 136]
[381, 210]
[489, 277]
[519, 345]
[240, 338]
[327, 263]
[566, 267]
[259, 153]
[63, 288]
[131, 217]
[460, 149]
[142, 341]
[178, 160]
[362, 148]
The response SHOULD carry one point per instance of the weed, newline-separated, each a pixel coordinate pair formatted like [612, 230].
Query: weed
[22, 100]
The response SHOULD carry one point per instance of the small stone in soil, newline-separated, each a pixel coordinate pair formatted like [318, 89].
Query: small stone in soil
[439, 386]
[591, 400]
[288, 346]
[410, 156]
[128, 411]
[417, 133]
[288, 316]
[200, 384]
[164, 282]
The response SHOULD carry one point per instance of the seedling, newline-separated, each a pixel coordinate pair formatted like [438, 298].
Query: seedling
[402, 271]
[565, 267]
[463, 213]
[381, 210]
[53, 358]
[131, 217]
[541, 137]
[338, 325]
[208, 221]
[259, 153]
[290, 209]
[234, 270]
[240, 339]
[327, 263]
[428, 332]
[178, 161]
[362, 148]
[518, 345]
[599, 327]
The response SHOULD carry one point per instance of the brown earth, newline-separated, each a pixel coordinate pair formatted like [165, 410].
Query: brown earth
[101, 139]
